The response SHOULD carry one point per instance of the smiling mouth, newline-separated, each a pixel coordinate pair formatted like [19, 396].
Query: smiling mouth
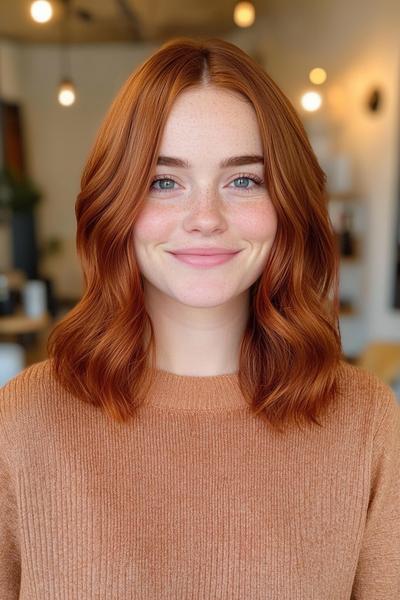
[202, 260]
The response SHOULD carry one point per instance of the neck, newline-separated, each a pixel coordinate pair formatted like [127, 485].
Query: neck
[202, 341]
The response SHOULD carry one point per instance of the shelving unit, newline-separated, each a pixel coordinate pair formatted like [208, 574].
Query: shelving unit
[352, 288]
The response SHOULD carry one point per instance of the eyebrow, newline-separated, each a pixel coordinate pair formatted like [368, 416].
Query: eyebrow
[232, 161]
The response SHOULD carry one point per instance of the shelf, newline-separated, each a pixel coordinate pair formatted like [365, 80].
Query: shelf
[348, 312]
[344, 196]
[350, 259]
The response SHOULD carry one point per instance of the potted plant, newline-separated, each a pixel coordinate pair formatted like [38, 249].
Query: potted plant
[19, 196]
[17, 192]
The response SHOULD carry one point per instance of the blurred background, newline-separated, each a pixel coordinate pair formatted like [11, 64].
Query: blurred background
[61, 64]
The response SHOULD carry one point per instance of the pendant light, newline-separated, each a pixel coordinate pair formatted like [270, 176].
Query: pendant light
[244, 13]
[66, 92]
[41, 11]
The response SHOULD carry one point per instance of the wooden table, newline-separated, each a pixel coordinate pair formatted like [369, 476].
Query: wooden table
[20, 323]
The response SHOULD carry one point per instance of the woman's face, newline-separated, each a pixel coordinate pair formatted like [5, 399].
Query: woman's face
[205, 204]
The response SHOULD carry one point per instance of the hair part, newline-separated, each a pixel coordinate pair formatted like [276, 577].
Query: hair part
[291, 349]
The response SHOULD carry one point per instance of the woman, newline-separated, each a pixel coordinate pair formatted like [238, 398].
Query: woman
[195, 431]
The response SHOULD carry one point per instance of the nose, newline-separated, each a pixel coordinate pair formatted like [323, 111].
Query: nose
[206, 213]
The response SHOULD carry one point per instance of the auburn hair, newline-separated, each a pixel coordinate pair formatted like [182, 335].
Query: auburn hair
[291, 348]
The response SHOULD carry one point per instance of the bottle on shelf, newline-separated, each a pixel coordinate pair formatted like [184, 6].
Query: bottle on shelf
[6, 299]
[346, 240]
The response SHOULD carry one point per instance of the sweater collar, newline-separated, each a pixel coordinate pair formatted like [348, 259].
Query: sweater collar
[195, 392]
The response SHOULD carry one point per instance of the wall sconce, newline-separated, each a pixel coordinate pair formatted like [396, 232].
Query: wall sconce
[374, 100]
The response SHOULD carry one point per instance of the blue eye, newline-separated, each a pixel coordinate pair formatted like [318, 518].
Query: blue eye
[161, 180]
[168, 180]
[244, 179]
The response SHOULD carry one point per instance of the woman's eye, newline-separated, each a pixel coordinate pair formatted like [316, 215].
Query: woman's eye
[167, 183]
[256, 180]
[163, 180]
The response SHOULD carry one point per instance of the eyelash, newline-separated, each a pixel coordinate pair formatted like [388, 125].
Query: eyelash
[253, 178]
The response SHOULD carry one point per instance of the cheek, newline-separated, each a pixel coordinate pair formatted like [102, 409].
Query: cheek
[258, 224]
[152, 226]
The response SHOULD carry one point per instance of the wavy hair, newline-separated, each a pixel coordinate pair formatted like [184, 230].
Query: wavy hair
[291, 348]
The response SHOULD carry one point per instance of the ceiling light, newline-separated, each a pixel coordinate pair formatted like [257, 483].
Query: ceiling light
[66, 93]
[317, 75]
[244, 14]
[311, 101]
[41, 11]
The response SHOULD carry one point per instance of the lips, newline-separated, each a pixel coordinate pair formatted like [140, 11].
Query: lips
[204, 251]
[196, 257]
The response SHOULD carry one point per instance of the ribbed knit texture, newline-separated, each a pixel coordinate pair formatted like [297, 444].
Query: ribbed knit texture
[197, 498]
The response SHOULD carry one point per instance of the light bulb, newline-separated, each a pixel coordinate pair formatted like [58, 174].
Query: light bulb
[311, 101]
[244, 14]
[41, 11]
[66, 93]
[317, 75]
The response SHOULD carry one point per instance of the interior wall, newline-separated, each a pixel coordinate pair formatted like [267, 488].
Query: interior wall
[59, 138]
[359, 45]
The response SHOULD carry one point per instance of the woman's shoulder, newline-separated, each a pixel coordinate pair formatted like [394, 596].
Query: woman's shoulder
[33, 382]
[360, 381]
[365, 392]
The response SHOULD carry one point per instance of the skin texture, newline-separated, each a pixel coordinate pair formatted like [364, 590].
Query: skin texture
[199, 315]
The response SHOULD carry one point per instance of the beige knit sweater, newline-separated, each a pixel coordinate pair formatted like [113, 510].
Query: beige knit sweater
[197, 499]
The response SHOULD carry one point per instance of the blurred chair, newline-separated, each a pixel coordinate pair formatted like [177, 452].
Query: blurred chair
[12, 361]
[383, 359]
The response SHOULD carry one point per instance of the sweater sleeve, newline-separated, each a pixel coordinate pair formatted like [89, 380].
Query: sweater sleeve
[9, 545]
[378, 569]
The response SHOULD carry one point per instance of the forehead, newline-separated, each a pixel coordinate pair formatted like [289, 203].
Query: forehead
[212, 120]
